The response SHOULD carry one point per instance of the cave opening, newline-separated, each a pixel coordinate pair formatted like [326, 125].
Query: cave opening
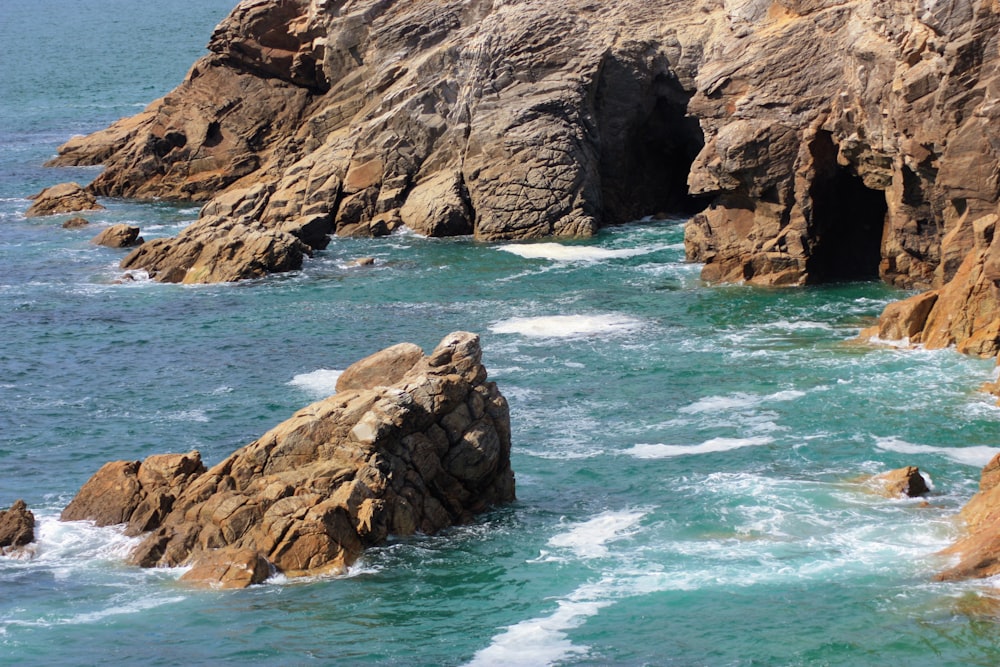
[847, 220]
[648, 144]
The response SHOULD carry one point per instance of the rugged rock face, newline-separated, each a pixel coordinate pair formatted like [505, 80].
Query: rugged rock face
[829, 139]
[979, 549]
[17, 527]
[62, 198]
[421, 447]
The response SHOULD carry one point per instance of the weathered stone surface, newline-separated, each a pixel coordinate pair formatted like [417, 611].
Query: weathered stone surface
[964, 312]
[17, 526]
[134, 493]
[382, 368]
[62, 198]
[118, 236]
[979, 549]
[75, 223]
[424, 447]
[903, 482]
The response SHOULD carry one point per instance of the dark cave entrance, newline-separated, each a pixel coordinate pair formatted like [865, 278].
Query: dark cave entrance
[847, 220]
[647, 144]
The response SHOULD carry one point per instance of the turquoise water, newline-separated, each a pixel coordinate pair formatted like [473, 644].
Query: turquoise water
[687, 456]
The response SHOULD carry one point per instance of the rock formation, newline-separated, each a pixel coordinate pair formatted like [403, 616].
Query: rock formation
[904, 482]
[979, 550]
[17, 527]
[119, 236]
[62, 198]
[409, 443]
[522, 119]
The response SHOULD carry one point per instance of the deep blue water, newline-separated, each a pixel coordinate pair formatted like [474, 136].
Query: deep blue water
[688, 456]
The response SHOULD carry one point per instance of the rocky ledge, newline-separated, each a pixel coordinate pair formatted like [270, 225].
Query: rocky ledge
[409, 443]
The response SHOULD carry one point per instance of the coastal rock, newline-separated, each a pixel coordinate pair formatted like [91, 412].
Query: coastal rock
[978, 550]
[901, 483]
[75, 223]
[62, 198]
[118, 236]
[17, 526]
[424, 447]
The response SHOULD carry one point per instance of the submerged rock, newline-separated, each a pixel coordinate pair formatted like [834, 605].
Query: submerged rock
[62, 198]
[75, 223]
[17, 527]
[118, 236]
[409, 443]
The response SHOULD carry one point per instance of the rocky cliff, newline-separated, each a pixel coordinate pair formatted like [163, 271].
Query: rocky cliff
[408, 443]
[821, 139]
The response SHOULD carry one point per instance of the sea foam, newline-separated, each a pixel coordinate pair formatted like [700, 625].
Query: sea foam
[566, 326]
[978, 455]
[589, 539]
[570, 253]
[542, 640]
[739, 401]
[320, 383]
[659, 451]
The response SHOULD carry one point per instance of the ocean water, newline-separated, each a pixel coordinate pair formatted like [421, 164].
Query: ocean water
[688, 457]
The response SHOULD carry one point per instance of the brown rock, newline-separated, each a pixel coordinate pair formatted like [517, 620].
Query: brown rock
[383, 368]
[362, 261]
[229, 568]
[420, 443]
[75, 223]
[17, 526]
[62, 198]
[118, 236]
[903, 482]
[978, 550]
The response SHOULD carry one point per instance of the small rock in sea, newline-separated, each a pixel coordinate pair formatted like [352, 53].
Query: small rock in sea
[119, 236]
[75, 223]
[17, 526]
[362, 261]
[901, 483]
[62, 198]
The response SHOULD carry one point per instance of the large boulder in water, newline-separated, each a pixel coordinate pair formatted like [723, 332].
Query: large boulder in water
[417, 451]
[62, 198]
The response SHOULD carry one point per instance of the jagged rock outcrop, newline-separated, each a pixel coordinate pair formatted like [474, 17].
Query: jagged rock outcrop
[118, 236]
[17, 527]
[829, 139]
[978, 550]
[62, 198]
[409, 443]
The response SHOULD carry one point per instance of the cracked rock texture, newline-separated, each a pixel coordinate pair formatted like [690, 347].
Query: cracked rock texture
[409, 443]
[828, 139]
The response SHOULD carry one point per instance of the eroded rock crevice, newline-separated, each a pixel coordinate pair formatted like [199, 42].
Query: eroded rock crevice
[848, 219]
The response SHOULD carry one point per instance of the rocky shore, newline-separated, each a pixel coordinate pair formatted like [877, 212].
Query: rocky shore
[811, 140]
[410, 442]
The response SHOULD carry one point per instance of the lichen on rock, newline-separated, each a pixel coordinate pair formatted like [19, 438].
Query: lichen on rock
[424, 446]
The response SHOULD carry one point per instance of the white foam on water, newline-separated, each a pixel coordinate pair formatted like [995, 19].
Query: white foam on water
[590, 538]
[738, 401]
[660, 451]
[977, 456]
[542, 640]
[571, 253]
[74, 542]
[566, 326]
[321, 382]
[187, 416]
